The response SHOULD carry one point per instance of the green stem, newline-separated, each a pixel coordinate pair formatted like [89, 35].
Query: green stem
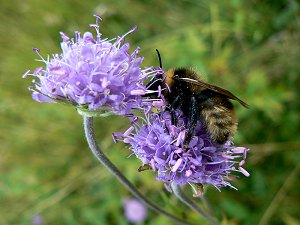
[90, 137]
[192, 204]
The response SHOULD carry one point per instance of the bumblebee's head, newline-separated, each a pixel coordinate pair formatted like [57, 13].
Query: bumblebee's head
[168, 77]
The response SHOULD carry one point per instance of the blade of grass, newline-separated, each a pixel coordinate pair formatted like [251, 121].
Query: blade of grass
[289, 181]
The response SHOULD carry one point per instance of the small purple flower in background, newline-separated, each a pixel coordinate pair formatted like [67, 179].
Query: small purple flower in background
[37, 220]
[94, 74]
[134, 210]
[162, 145]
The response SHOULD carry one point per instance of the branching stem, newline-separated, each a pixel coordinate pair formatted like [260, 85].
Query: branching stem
[90, 137]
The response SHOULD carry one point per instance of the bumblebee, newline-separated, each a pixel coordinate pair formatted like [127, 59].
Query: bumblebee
[211, 104]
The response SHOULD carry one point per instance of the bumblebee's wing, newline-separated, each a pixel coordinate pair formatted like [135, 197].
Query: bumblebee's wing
[219, 90]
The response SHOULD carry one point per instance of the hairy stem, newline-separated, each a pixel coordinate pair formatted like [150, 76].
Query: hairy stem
[192, 204]
[90, 137]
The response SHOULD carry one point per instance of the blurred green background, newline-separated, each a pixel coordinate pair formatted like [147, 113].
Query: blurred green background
[249, 47]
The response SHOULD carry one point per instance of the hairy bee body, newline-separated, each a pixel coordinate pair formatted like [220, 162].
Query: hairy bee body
[200, 100]
[220, 121]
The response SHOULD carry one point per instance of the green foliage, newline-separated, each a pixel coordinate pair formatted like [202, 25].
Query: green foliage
[249, 47]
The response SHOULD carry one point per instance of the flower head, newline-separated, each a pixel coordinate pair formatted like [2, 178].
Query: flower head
[162, 145]
[37, 220]
[93, 74]
[134, 211]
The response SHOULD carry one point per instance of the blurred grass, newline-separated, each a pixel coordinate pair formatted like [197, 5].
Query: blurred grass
[250, 47]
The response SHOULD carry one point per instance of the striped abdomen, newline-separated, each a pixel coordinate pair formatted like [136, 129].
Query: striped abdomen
[219, 118]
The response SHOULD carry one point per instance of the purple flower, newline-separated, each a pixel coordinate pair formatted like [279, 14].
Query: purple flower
[134, 211]
[162, 145]
[94, 74]
[37, 220]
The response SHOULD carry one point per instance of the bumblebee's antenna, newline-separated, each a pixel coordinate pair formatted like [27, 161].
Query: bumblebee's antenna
[159, 58]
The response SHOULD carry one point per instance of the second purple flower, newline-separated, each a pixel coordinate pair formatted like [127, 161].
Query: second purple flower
[162, 147]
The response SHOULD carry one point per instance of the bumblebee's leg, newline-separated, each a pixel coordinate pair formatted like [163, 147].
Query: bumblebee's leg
[193, 115]
[177, 103]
